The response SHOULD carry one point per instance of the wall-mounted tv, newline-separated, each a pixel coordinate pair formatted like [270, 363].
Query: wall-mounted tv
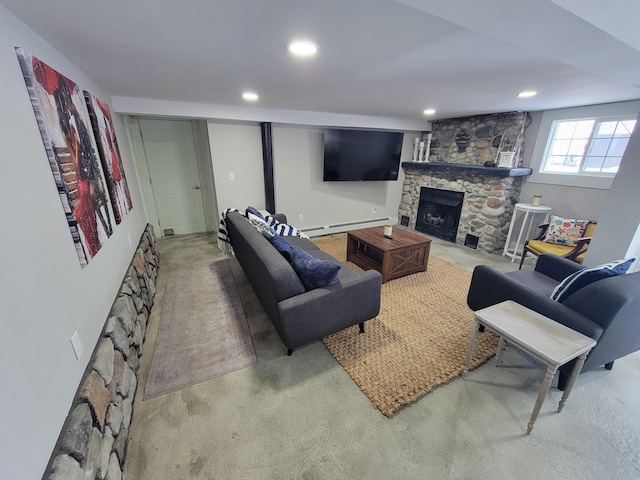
[361, 155]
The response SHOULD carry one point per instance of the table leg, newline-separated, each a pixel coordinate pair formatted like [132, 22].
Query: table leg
[472, 345]
[500, 348]
[525, 222]
[544, 389]
[572, 379]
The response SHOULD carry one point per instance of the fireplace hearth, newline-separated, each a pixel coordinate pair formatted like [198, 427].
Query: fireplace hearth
[439, 213]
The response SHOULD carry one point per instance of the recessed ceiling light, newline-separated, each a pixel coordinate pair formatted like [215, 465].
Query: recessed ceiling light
[429, 111]
[250, 96]
[527, 94]
[302, 48]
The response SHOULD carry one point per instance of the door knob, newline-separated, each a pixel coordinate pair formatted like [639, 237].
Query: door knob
[197, 187]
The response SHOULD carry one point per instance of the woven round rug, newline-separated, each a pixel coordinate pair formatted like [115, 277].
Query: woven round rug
[419, 340]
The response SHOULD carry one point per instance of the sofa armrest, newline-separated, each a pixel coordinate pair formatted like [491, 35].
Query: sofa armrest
[556, 267]
[323, 311]
[281, 217]
[490, 286]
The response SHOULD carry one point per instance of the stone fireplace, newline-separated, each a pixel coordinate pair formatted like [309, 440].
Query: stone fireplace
[475, 194]
[488, 196]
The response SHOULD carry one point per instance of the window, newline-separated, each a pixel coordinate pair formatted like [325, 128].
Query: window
[590, 146]
[580, 146]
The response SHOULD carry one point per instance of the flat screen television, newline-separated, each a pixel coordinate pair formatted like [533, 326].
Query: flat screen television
[361, 155]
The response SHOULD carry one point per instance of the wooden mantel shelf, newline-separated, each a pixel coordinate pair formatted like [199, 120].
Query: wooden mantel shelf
[467, 169]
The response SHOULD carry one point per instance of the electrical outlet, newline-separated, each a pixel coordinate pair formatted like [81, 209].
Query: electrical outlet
[301, 218]
[375, 209]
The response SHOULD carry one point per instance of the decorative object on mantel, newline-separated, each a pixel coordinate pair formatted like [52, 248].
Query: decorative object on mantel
[416, 147]
[421, 152]
[509, 158]
[428, 148]
[463, 138]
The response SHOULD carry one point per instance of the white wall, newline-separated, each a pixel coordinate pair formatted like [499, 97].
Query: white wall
[299, 189]
[237, 149]
[617, 234]
[45, 294]
[566, 200]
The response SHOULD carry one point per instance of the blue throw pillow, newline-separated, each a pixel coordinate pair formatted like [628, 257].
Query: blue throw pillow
[251, 211]
[283, 246]
[313, 272]
[587, 276]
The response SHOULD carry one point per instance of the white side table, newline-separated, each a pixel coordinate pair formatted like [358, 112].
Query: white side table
[547, 340]
[527, 217]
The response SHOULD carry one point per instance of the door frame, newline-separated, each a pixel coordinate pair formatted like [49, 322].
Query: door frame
[205, 171]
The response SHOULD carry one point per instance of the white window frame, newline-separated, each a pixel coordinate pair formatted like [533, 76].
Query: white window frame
[610, 110]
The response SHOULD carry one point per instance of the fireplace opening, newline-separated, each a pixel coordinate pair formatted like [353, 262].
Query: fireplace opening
[439, 213]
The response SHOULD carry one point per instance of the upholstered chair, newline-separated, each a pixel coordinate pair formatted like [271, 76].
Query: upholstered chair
[542, 244]
[605, 310]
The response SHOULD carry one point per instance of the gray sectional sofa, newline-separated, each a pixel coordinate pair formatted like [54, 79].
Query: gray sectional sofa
[300, 316]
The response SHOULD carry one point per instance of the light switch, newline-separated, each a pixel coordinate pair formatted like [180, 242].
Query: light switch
[232, 176]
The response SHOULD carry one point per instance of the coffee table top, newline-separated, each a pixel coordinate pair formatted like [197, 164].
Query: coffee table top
[374, 236]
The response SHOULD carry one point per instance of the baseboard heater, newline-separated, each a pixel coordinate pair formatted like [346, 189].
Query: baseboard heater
[343, 227]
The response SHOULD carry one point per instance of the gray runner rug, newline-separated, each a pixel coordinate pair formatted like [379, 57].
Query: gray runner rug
[203, 332]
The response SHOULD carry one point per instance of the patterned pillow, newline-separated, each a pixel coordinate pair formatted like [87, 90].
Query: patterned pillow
[565, 231]
[586, 276]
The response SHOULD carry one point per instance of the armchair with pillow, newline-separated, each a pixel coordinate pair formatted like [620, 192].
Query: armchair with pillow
[566, 237]
[600, 302]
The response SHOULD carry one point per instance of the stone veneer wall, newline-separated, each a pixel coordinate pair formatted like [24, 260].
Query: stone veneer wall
[93, 440]
[487, 207]
[476, 140]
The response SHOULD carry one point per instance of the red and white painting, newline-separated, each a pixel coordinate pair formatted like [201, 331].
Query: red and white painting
[65, 128]
[109, 155]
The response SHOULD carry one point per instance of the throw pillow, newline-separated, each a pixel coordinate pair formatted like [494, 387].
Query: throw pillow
[252, 213]
[587, 276]
[283, 246]
[313, 272]
[263, 227]
[565, 231]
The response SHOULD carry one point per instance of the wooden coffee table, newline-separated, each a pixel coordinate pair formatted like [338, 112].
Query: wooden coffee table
[405, 253]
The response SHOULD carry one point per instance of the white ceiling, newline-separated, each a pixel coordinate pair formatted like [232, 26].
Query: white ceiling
[379, 58]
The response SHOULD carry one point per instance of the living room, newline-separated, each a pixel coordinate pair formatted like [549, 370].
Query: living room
[48, 296]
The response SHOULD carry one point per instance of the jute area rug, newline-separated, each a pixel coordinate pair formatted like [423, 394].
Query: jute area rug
[419, 340]
[203, 332]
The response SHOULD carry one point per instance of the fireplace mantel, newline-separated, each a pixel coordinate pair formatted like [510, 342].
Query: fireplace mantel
[467, 169]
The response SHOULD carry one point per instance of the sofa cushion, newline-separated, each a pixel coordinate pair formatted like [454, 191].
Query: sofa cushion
[313, 272]
[587, 276]
[565, 231]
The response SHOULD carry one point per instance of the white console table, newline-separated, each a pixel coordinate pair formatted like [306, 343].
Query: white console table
[527, 217]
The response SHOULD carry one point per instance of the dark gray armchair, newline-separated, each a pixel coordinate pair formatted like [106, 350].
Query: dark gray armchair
[607, 310]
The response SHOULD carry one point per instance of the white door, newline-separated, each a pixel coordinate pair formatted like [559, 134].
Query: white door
[170, 152]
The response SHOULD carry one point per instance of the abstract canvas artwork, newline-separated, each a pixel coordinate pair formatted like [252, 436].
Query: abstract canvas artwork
[109, 155]
[65, 128]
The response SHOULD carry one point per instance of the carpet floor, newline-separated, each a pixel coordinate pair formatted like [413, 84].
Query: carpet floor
[419, 340]
[203, 332]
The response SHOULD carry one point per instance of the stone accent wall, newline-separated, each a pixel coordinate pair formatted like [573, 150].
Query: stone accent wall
[93, 441]
[478, 139]
[487, 207]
